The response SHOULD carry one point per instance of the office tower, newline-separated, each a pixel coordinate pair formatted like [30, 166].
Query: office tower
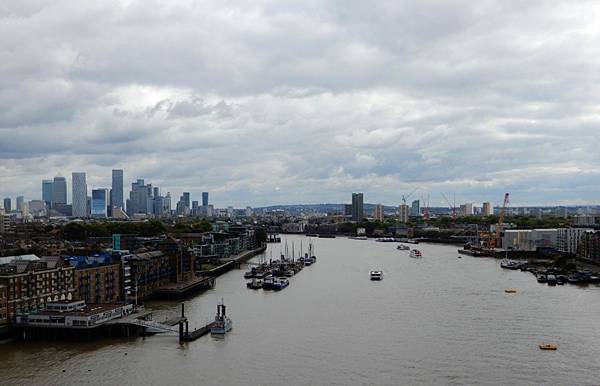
[186, 199]
[140, 198]
[357, 207]
[195, 208]
[79, 195]
[204, 198]
[47, 192]
[487, 209]
[415, 208]
[100, 203]
[403, 212]
[156, 192]
[378, 215]
[20, 202]
[7, 205]
[347, 209]
[59, 191]
[116, 196]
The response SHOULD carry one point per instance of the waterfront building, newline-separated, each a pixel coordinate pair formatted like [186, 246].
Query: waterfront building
[357, 207]
[415, 208]
[7, 205]
[99, 203]
[149, 271]
[74, 314]
[79, 195]
[487, 209]
[59, 191]
[589, 247]
[47, 192]
[378, 215]
[97, 278]
[116, 198]
[403, 212]
[205, 199]
[33, 283]
[568, 239]
[529, 239]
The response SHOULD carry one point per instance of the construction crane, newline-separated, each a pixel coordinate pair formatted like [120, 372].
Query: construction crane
[453, 207]
[404, 198]
[496, 238]
[426, 209]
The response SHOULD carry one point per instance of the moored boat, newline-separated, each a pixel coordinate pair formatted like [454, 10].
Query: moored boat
[403, 247]
[548, 346]
[280, 283]
[255, 284]
[376, 275]
[541, 278]
[510, 264]
[222, 323]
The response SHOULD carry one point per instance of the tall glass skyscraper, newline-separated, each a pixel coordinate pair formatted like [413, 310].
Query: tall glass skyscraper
[357, 207]
[117, 188]
[79, 195]
[204, 198]
[100, 203]
[47, 192]
[59, 191]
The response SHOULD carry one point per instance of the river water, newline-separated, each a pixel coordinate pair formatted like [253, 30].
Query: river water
[438, 320]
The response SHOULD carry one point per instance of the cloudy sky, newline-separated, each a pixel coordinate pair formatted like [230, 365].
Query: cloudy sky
[263, 102]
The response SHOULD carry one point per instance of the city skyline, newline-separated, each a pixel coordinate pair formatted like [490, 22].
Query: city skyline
[345, 106]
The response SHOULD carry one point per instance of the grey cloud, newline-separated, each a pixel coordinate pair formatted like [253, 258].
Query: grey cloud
[270, 101]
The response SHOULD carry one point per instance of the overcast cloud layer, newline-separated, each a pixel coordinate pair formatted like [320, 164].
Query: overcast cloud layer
[263, 102]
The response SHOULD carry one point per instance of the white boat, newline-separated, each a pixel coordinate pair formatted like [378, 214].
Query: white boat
[358, 237]
[222, 323]
[415, 253]
[376, 275]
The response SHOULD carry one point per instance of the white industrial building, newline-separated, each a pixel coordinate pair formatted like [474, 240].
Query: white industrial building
[529, 239]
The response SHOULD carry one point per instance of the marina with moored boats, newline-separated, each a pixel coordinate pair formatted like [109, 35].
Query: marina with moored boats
[274, 274]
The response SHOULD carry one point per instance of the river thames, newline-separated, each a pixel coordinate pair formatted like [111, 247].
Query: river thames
[438, 320]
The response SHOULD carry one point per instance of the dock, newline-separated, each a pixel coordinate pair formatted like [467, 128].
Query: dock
[179, 290]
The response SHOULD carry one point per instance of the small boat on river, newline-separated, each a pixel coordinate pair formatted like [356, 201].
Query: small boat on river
[403, 247]
[376, 275]
[222, 323]
[415, 253]
[548, 346]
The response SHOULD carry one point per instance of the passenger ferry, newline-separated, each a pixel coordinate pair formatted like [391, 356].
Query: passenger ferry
[415, 253]
[376, 275]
